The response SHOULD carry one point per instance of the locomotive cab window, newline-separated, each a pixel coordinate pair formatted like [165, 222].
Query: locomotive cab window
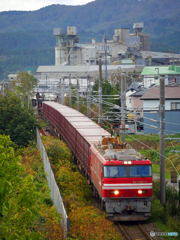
[115, 171]
[140, 171]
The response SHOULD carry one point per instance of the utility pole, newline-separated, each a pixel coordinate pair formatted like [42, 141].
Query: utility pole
[69, 90]
[77, 95]
[123, 105]
[105, 56]
[100, 91]
[62, 92]
[88, 97]
[162, 140]
[59, 91]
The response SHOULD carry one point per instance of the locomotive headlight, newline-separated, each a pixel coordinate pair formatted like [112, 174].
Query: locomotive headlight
[115, 192]
[140, 191]
[127, 162]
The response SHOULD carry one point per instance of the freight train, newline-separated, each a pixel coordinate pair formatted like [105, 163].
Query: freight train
[118, 175]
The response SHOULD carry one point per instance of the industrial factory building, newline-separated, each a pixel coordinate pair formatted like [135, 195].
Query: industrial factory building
[126, 46]
[125, 52]
[69, 51]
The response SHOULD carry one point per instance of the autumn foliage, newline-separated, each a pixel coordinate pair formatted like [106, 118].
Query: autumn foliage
[87, 222]
[26, 209]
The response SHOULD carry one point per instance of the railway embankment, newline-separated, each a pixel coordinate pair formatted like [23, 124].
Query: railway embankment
[86, 220]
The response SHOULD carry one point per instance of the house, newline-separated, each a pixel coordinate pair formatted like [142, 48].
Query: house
[151, 75]
[136, 101]
[172, 109]
[132, 89]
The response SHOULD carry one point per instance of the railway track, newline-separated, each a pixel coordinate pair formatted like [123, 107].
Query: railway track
[134, 232]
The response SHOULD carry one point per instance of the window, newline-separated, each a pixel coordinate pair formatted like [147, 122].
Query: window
[115, 171]
[127, 171]
[140, 171]
[175, 106]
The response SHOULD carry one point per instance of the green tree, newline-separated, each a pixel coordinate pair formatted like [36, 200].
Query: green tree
[16, 121]
[107, 89]
[18, 196]
[24, 85]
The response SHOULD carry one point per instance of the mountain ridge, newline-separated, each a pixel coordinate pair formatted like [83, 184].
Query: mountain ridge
[26, 37]
[94, 16]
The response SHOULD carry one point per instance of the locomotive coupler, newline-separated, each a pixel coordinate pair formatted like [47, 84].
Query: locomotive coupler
[128, 208]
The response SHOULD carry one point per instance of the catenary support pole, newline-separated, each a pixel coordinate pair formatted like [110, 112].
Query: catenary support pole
[59, 91]
[162, 140]
[88, 98]
[69, 90]
[123, 104]
[62, 91]
[100, 91]
[77, 96]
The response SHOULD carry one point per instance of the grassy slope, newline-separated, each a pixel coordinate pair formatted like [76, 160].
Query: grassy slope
[149, 147]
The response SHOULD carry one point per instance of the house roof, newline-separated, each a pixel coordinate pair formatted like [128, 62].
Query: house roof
[135, 85]
[171, 92]
[171, 69]
[139, 93]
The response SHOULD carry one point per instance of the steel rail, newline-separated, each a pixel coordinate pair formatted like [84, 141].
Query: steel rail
[144, 232]
[124, 232]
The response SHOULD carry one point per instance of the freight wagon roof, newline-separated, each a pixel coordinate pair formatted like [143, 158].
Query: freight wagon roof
[87, 125]
[93, 132]
[64, 110]
[93, 139]
[70, 113]
[78, 119]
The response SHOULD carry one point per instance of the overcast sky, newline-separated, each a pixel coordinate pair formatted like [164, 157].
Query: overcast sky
[30, 5]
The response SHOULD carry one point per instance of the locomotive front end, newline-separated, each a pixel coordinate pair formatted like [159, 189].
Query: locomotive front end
[126, 182]
[127, 190]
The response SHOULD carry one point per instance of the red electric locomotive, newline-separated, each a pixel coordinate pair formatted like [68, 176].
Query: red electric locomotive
[119, 175]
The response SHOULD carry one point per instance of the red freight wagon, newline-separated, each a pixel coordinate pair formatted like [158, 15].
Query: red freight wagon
[119, 176]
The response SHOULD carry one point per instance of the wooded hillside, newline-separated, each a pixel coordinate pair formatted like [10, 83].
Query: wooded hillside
[26, 37]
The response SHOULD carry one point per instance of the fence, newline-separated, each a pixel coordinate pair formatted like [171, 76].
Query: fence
[55, 193]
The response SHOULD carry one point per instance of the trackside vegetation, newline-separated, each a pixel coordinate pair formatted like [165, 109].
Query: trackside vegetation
[26, 209]
[16, 121]
[87, 221]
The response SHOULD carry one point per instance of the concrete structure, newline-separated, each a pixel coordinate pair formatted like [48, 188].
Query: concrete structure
[12, 77]
[145, 42]
[121, 34]
[144, 38]
[123, 45]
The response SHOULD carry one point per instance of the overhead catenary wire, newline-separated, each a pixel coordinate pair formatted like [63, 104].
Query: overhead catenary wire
[110, 104]
[144, 145]
[156, 121]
